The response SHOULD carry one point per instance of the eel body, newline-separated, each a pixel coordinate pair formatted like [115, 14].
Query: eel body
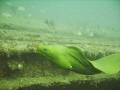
[72, 58]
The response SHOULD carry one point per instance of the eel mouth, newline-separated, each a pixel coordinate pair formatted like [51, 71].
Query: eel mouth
[42, 53]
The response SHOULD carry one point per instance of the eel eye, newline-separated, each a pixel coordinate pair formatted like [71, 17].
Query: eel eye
[45, 49]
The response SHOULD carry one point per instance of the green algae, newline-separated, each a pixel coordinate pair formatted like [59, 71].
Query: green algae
[19, 45]
[47, 81]
[38, 71]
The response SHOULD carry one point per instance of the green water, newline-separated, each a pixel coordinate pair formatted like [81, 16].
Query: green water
[91, 25]
[102, 16]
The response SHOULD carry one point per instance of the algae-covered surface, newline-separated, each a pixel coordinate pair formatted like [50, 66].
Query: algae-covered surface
[21, 68]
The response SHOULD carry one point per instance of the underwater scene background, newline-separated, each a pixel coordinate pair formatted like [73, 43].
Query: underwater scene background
[91, 25]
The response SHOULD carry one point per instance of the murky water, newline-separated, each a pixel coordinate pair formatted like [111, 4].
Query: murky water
[91, 25]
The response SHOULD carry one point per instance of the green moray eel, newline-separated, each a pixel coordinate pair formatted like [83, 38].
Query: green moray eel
[72, 58]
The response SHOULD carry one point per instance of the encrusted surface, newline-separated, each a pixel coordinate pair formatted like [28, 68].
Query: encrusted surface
[21, 67]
